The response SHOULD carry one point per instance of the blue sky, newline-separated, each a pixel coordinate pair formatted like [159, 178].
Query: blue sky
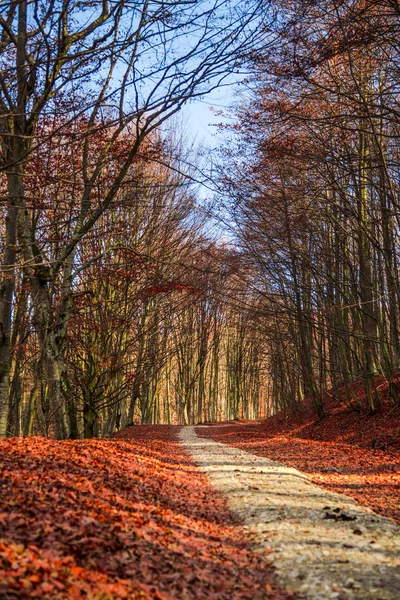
[201, 121]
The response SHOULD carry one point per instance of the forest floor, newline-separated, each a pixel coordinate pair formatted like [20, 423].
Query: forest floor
[125, 518]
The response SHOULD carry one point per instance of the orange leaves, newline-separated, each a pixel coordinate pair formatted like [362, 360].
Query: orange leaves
[31, 572]
[172, 286]
[123, 518]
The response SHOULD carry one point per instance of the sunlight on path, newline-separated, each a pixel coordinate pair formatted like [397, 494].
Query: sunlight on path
[322, 544]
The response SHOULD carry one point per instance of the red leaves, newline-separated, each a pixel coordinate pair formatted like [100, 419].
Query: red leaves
[126, 518]
[165, 288]
[30, 571]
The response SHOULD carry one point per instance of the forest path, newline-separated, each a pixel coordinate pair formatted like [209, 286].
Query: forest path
[322, 544]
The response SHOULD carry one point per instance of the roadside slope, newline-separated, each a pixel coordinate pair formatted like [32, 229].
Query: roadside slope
[348, 452]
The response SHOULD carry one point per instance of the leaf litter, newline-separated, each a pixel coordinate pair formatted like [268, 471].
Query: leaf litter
[130, 518]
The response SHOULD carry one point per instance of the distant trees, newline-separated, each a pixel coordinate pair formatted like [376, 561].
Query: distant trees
[317, 209]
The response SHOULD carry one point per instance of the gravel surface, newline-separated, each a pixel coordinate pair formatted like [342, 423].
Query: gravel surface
[323, 545]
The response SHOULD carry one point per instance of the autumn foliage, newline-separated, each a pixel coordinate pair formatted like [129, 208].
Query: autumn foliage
[123, 518]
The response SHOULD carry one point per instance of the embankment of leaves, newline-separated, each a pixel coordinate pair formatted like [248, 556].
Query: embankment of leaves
[124, 518]
[351, 452]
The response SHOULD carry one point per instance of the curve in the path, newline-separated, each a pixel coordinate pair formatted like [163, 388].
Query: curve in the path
[322, 544]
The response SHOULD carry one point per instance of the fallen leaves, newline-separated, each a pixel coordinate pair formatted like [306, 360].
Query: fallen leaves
[124, 518]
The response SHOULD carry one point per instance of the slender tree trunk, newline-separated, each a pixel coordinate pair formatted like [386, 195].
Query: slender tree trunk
[15, 189]
[368, 318]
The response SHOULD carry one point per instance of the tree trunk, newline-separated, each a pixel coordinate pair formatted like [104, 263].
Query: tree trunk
[368, 318]
[15, 193]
